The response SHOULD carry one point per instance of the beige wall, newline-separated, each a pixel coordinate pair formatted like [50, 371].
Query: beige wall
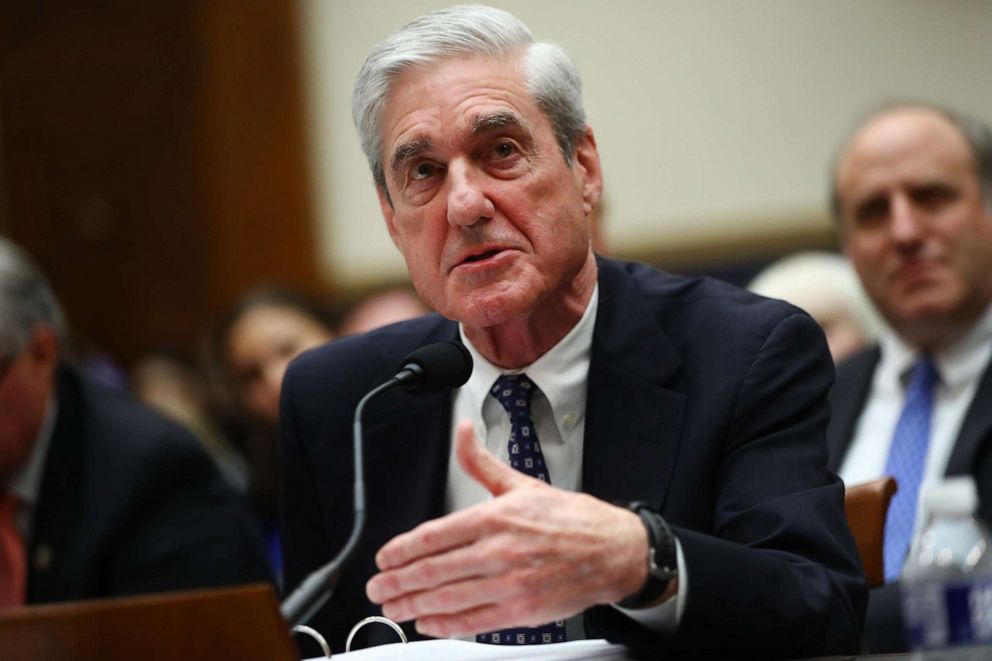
[715, 119]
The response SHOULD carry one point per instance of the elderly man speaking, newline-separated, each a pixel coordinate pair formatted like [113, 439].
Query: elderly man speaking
[636, 455]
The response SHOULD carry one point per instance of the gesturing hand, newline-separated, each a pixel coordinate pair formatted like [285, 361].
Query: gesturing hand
[530, 555]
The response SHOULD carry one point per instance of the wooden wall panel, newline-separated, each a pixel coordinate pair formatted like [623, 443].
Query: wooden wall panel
[154, 159]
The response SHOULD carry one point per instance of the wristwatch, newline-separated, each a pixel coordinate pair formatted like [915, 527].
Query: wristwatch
[662, 559]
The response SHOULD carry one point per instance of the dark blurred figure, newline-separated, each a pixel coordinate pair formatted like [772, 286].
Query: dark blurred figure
[248, 351]
[173, 384]
[913, 196]
[382, 308]
[100, 496]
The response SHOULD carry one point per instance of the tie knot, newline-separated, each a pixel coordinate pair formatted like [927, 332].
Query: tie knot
[514, 392]
[924, 375]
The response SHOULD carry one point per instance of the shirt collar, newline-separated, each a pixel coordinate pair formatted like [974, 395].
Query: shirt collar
[965, 360]
[26, 483]
[560, 373]
[959, 363]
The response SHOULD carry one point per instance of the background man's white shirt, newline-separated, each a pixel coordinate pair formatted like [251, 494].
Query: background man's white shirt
[960, 366]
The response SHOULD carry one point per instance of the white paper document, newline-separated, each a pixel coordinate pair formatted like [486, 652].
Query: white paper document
[460, 650]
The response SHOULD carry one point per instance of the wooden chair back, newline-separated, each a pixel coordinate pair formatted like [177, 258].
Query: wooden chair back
[866, 506]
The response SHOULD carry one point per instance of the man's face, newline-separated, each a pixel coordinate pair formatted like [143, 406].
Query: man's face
[914, 224]
[489, 217]
[25, 385]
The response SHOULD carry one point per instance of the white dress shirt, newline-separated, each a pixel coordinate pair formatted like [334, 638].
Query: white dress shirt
[558, 411]
[960, 366]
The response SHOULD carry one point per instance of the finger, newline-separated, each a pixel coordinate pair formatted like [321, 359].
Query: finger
[458, 528]
[434, 571]
[431, 538]
[474, 621]
[451, 598]
[488, 617]
[483, 467]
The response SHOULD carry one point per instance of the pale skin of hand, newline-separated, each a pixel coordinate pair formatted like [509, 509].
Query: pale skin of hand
[532, 554]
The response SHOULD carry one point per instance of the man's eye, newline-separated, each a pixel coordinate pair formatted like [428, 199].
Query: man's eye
[423, 171]
[504, 149]
[933, 195]
[872, 212]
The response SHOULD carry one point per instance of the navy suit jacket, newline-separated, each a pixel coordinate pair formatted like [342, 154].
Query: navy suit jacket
[972, 454]
[705, 401]
[130, 503]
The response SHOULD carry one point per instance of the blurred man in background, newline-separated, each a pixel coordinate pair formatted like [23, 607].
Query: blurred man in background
[98, 496]
[912, 196]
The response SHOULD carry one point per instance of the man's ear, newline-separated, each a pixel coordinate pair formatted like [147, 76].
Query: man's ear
[389, 214]
[585, 162]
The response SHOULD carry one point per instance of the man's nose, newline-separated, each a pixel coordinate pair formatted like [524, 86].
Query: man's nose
[468, 202]
[906, 222]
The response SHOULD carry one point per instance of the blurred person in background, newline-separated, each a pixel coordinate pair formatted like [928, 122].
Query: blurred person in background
[825, 285]
[382, 308]
[912, 193]
[172, 383]
[248, 350]
[258, 337]
[99, 496]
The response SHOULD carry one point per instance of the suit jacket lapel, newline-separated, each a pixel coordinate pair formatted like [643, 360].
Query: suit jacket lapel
[633, 417]
[976, 428]
[847, 400]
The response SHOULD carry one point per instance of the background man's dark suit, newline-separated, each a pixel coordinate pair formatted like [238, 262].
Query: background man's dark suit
[129, 503]
[705, 401]
[971, 454]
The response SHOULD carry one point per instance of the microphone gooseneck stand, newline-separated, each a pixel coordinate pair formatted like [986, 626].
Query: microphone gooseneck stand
[433, 367]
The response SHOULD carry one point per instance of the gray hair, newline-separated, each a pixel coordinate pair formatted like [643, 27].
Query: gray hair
[976, 134]
[26, 301]
[551, 77]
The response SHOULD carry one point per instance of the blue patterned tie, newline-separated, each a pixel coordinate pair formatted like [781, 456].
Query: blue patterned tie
[907, 457]
[514, 392]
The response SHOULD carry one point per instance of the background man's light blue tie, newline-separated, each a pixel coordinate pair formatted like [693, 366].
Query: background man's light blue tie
[907, 458]
[514, 392]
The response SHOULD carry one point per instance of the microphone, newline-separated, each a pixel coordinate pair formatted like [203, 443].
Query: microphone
[430, 368]
[436, 367]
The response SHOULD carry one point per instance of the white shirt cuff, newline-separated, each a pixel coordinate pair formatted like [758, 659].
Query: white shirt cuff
[665, 617]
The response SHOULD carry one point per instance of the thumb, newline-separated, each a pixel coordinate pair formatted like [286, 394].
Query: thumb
[484, 468]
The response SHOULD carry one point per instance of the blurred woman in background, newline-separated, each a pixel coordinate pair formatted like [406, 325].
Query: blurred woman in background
[248, 351]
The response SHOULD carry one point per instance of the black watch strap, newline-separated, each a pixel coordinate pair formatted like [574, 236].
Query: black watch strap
[662, 558]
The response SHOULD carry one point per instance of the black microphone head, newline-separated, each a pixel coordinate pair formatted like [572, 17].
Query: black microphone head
[437, 367]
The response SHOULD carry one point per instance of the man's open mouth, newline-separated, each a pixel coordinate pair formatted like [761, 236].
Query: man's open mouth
[481, 256]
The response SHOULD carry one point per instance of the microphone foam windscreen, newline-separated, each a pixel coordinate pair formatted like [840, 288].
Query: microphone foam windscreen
[442, 365]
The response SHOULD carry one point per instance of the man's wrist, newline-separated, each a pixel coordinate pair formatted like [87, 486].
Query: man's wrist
[662, 562]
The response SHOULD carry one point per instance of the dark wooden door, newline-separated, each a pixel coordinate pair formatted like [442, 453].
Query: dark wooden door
[154, 159]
